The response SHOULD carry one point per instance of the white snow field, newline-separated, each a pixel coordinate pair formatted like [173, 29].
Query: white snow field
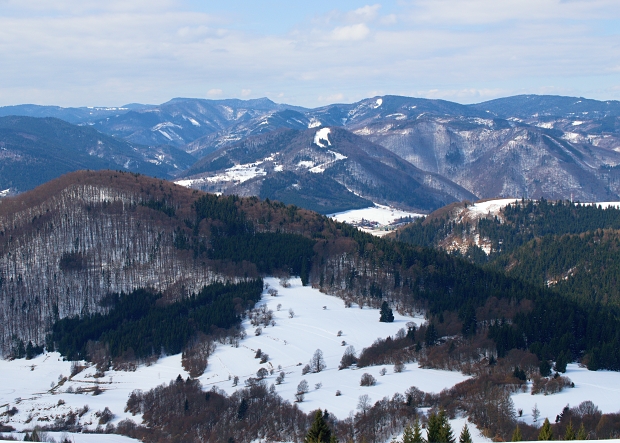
[315, 325]
[317, 319]
[490, 206]
[494, 206]
[377, 220]
[600, 387]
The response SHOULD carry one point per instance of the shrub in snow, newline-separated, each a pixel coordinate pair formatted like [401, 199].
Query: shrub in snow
[303, 386]
[368, 380]
[338, 393]
[264, 357]
[383, 371]
[262, 373]
[305, 370]
[258, 353]
[280, 378]
[105, 416]
[399, 367]
[348, 358]
[318, 386]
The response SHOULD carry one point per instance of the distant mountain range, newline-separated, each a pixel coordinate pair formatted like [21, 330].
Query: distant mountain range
[327, 170]
[523, 146]
[36, 150]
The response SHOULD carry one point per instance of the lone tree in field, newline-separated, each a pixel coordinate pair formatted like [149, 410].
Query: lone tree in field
[387, 316]
[317, 363]
[319, 432]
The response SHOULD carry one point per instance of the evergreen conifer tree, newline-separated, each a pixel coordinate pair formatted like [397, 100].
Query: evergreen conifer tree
[582, 434]
[387, 316]
[465, 436]
[432, 428]
[445, 430]
[319, 432]
[569, 434]
[417, 433]
[408, 434]
[516, 435]
[545, 433]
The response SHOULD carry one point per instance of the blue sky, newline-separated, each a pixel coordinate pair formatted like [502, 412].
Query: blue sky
[93, 53]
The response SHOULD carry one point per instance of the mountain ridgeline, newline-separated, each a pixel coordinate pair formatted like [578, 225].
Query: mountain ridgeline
[69, 247]
[36, 150]
[327, 170]
[524, 146]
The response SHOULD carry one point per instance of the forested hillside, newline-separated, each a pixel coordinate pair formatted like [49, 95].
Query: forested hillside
[36, 150]
[69, 244]
[568, 247]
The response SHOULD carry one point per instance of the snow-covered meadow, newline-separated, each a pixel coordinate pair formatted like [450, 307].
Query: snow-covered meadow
[377, 220]
[33, 388]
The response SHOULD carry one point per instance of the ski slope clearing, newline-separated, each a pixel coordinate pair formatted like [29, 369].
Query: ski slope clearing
[377, 220]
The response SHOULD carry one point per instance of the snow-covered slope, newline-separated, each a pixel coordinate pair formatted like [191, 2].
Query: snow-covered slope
[377, 220]
[33, 387]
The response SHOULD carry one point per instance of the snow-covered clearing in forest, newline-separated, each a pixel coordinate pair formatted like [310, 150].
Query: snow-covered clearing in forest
[4, 193]
[316, 321]
[315, 325]
[600, 387]
[322, 135]
[604, 205]
[490, 206]
[377, 220]
[493, 207]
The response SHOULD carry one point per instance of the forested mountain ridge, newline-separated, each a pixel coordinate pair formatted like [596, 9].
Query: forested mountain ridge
[568, 247]
[524, 146]
[325, 169]
[36, 150]
[67, 245]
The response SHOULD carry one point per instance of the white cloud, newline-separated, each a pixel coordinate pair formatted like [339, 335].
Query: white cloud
[364, 14]
[103, 54]
[351, 33]
[388, 19]
[214, 92]
[473, 12]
